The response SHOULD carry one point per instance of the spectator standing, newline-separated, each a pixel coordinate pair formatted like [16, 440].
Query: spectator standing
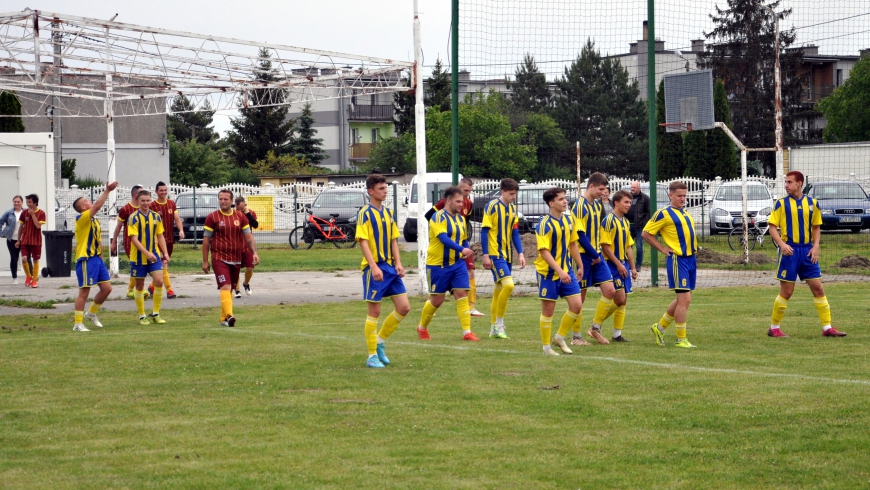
[606, 203]
[9, 231]
[638, 215]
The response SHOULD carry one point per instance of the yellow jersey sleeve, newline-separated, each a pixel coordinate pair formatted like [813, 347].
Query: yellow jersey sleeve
[817, 214]
[363, 226]
[132, 230]
[158, 227]
[656, 223]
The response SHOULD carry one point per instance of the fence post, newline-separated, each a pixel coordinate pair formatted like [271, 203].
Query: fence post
[703, 212]
[396, 200]
[295, 209]
[194, 218]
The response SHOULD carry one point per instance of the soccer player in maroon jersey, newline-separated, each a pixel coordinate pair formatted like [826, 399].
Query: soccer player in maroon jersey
[124, 214]
[30, 239]
[165, 207]
[226, 234]
[248, 258]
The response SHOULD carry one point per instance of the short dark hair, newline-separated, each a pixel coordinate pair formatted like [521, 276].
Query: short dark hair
[797, 176]
[509, 185]
[677, 185]
[620, 195]
[159, 185]
[143, 192]
[451, 191]
[134, 191]
[75, 203]
[226, 191]
[33, 197]
[552, 193]
[597, 179]
[466, 180]
[375, 179]
[240, 199]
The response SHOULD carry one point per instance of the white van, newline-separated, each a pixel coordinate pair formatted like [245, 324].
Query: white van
[727, 205]
[436, 182]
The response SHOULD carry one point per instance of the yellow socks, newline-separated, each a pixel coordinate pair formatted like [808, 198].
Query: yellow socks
[578, 323]
[132, 284]
[35, 272]
[496, 294]
[249, 273]
[140, 301]
[371, 337]
[824, 310]
[602, 311]
[79, 317]
[26, 266]
[546, 328]
[666, 321]
[681, 331]
[226, 303]
[428, 313]
[507, 288]
[94, 308]
[390, 325]
[472, 292]
[618, 320]
[158, 300]
[166, 282]
[464, 313]
[568, 321]
[779, 306]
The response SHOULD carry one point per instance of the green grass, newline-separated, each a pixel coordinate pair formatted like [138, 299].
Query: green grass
[283, 401]
[41, 305]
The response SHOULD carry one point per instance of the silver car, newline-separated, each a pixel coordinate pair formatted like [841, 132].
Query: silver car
[727, 205]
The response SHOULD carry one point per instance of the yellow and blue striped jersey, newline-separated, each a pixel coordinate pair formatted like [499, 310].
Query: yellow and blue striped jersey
[88, 236]
[616, 233]
[677, 228]
[501, 219]
[795, 218]
[455, 228]
[379, 229]
[147, 228]
[587, 219]
[555, 235]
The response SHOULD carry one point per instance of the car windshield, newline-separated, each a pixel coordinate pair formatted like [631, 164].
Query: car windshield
[837, 190]
[340, 200]
[530, 196]
[204, 201]
[735, 193]
[437, 188]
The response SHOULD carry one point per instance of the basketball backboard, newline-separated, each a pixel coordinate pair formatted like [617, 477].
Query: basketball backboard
[689, 100]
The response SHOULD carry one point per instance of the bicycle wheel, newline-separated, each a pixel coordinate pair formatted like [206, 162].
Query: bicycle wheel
[735, 239]
[348, 241]
[300, 237]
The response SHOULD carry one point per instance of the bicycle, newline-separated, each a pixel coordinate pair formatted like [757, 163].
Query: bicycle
[342, 236]
[757, 230]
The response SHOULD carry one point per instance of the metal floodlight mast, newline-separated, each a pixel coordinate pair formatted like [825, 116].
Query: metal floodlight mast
[102, 68]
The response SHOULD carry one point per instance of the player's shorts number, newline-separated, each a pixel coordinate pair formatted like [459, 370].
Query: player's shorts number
[544, 292]
[222, 278]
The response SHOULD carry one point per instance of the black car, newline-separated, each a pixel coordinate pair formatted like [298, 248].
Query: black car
[844, 205]
[346, 203]
[193, 213]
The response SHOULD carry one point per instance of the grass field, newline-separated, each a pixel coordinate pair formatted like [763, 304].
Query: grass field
[283, 401]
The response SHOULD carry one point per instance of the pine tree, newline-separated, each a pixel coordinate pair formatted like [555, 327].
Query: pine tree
[722, 150]
[403, 109]
[186, 125]
[669, 146]
[10, 106]
[695, 155]
[530, 91]
[438, 88]
[260, 130]
[305, 145]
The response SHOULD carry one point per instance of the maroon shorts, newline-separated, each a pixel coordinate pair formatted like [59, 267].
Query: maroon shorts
[226, 274]
[169, 248]
[469, 262]
[32, 251]
[248, 259]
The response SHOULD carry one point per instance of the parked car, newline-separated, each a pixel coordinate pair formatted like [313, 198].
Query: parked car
[844, 205]
[727, 205]
[59, 216]
[436, 182]
[346, 203]
[194, 220]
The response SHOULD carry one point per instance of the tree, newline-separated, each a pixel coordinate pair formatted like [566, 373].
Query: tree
[598, 106]
[695, 155]
[193, 163]
[669, 146]
[399, 153]
[403, 109]
[285, 165]
[260, 130]
[186, 125]
[722, 150]
[846, 108]
[530, 91]
[305, 145]
[10, 106]
[742, 55]
[438, 88]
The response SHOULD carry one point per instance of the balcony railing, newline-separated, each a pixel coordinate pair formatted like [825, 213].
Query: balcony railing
[361, 150]
[370, 112]
[817, 93]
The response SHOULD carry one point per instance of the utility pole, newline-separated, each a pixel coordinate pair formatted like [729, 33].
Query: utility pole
[651, 118]
[454, 94]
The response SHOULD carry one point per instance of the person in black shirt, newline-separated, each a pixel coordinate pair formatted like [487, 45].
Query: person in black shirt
[638, 215]
[247, 258]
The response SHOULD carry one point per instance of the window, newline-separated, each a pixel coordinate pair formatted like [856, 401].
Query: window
[354, 136]
[375, 135]
[839, 80]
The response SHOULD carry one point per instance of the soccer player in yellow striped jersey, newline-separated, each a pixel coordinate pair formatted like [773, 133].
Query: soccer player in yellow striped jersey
[145, 229]
[382, 271]
[616, 244]
[90, 269]
[558, 255]
[445, 264]
[795, 226]
[499, 237]
[588, 213]
[677, 229]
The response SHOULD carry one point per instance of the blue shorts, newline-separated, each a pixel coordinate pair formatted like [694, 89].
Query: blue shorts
[391, 285]
[551, 290]
[620, 282]
[593, 275]
[143, 271]
[445, 279]
[681, 273]
[797, 265]
[500, 269]
[91, 271]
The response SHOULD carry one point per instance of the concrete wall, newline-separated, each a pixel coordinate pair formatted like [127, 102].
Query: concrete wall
[143, 164]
